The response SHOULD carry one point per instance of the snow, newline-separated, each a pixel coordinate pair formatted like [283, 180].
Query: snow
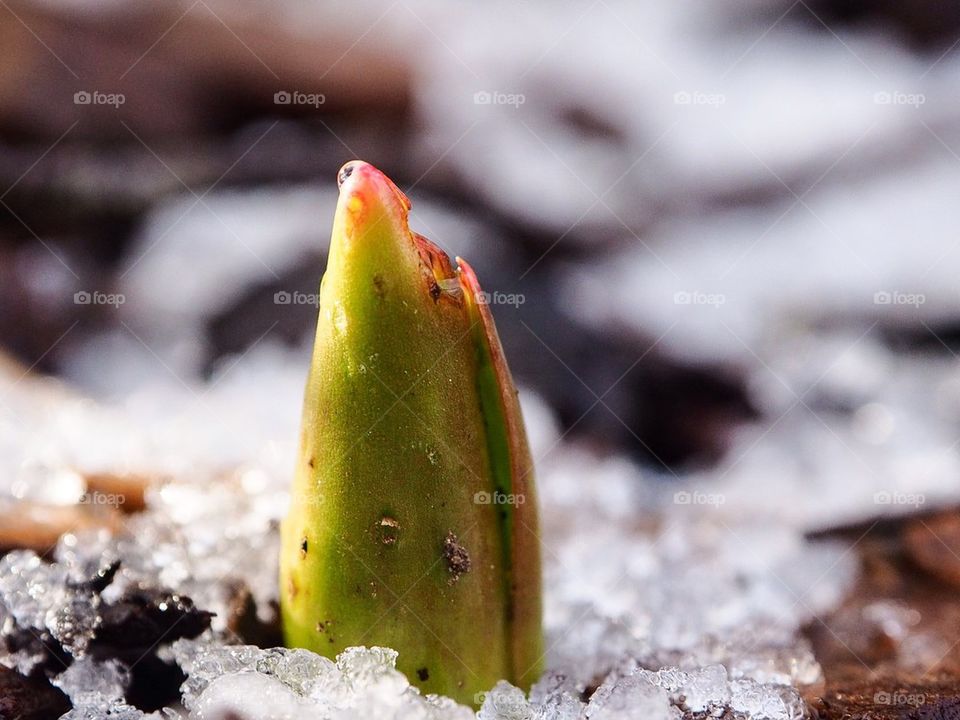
[677, 595]
[87, 682]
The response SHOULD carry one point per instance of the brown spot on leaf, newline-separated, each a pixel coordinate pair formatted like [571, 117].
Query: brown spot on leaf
[379, 287]
[441, 277]
[303, 547]
[423, 674]
[324, 628]
[388, 530]
[292, 588]
[311, 462]
[456, 557]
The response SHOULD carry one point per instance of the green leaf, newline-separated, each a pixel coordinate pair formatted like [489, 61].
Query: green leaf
[413, 520]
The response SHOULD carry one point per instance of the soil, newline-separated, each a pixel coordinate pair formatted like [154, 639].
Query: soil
[911, 670]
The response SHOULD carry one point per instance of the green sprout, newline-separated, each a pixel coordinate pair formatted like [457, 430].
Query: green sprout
[413, 519]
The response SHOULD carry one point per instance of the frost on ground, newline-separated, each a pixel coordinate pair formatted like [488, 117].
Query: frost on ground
[692, 610]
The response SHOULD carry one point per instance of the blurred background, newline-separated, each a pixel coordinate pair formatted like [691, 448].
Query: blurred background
[708, 225]
[721, 245]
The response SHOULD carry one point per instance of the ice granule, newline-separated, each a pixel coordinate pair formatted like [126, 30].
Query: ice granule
[700, 692]
[376, 687]
[302, 670]
[251, 696]
[561, 707]
[204, 661]
[586, 645]
[74, 622]
[554, 697]
[88, 682]
[763, 651]
[632, 697]
[505, 702]
[119, 711]
[670, 679]
[47, 597]
[364, 666]
[706, 689]
[363, 682]
[30, 588]
[211, 540]
[765, 702]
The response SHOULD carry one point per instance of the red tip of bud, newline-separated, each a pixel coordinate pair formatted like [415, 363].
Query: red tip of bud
[363, 180]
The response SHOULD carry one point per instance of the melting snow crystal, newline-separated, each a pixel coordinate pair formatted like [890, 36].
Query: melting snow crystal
[631, 698]
[505, 702]
[87, 682]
